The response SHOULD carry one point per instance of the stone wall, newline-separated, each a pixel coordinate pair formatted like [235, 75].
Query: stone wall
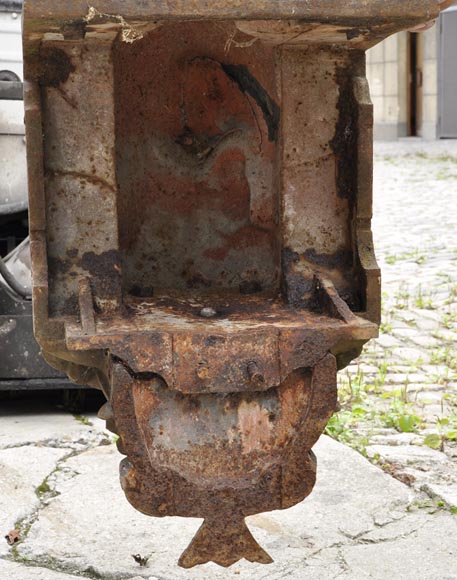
[387, 72]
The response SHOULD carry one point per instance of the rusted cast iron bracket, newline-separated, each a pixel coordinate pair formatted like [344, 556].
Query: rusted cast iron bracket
[200, 206]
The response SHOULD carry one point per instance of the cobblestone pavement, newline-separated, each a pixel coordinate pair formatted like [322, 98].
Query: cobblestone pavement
[400, 397]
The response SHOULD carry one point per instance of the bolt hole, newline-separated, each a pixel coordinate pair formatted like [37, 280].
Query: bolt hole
[142, 292]
[250, 287]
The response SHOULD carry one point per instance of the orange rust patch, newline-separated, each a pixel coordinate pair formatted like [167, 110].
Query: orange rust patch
[255, 427]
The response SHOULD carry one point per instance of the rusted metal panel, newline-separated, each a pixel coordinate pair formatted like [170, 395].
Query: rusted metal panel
[319, 134]
[213, 147]
[201, 235]
[257, 435]
[368, 12]
[252, 365]
[81, 191]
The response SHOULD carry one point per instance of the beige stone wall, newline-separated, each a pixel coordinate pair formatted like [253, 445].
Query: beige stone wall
[387, 75]
[429, 127]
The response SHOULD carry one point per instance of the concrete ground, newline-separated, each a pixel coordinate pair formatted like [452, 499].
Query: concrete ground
[60, 490]
[393, 517]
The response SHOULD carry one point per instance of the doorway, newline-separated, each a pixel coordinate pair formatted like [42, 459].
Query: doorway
[415, 83]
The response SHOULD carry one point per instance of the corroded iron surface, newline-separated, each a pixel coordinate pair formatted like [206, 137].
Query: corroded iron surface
[200, 206]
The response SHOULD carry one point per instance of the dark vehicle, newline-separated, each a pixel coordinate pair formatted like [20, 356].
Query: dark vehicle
[21, 364]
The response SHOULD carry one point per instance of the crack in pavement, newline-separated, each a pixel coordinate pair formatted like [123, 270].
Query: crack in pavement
[54, 443]
[25, 524]
[53, 565]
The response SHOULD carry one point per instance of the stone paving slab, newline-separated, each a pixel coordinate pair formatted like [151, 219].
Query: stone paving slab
[410, 454]
[427, 553]
[414, 461]
[14, 571]
[90, 527]
[446, 493]
[20, 425]
[84, 527]
[22, 471]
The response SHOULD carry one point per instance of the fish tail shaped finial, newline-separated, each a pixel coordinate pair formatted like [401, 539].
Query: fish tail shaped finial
[223, 542]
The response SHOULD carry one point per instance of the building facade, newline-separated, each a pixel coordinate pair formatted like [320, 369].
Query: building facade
[413, 81]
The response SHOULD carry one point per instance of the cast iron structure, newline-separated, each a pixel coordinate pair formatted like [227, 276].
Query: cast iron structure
[200, 203]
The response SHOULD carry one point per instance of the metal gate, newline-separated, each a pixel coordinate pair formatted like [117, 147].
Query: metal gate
[448, 74]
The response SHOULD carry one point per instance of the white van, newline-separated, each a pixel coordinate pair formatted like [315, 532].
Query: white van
[13, 180]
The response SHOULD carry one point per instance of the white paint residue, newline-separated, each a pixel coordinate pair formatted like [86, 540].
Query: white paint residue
[129, 33]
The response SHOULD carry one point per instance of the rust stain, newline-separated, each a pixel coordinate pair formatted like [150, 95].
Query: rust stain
[54, 67]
